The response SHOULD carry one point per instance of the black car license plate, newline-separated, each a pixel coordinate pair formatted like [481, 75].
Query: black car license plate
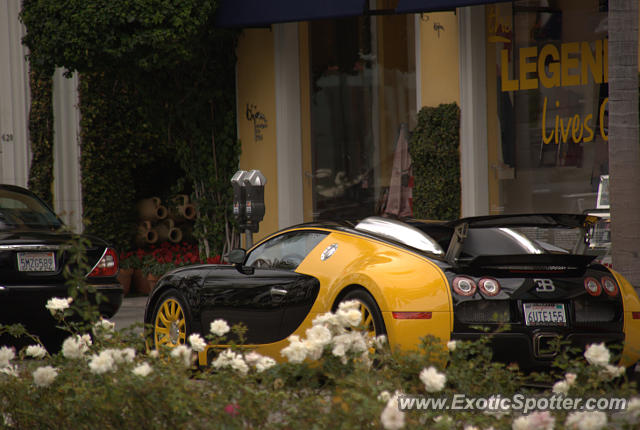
[544, 314]
[36, 262]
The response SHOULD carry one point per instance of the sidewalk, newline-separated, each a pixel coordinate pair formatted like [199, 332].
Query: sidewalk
[131, 312]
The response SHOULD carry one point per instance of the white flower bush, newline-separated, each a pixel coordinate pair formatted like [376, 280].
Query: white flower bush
[334, 331]
[326, 380]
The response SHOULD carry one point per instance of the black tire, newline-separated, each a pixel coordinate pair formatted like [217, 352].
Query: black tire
[172, 323]
[370, 308]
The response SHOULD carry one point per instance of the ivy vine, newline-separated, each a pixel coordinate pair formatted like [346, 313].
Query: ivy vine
[41, 134]
[156, 77]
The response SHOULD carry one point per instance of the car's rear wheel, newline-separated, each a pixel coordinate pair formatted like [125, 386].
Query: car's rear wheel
[171, 320]
[372, 319]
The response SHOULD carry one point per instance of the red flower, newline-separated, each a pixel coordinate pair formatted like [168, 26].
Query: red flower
[232, 409]
[213, 260]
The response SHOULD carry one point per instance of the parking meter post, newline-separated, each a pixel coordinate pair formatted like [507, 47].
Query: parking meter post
[248, 238]
[248, 201]
[254, 182]
[239, 197]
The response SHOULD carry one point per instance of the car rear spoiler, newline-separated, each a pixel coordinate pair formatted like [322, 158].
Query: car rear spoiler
[461, 227]
[528, 263]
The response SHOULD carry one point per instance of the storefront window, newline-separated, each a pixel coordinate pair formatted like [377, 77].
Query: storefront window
[551, 89]
[362, 97]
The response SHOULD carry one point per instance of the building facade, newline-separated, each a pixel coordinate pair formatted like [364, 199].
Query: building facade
[324, 104]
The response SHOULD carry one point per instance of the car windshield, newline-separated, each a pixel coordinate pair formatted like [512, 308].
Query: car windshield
[508, 241]
[23, 211]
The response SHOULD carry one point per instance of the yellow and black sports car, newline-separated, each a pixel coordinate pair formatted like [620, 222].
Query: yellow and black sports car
[529, 273]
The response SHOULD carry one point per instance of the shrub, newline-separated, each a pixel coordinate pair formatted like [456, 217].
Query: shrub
[434, 150]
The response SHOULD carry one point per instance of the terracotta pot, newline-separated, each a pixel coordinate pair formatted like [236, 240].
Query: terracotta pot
[152, 279]
[124, 277]
[140, 283]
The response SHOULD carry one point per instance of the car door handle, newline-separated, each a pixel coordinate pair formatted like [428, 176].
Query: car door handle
[278, 292]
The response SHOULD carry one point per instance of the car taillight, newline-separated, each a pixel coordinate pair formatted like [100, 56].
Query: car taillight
[464, 286]
[610, 287]
[411, 315]
[107, 266]
[489, 287]
[592, 286]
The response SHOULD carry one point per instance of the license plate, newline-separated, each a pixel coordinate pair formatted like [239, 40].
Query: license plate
[36, 262]
[544, 314]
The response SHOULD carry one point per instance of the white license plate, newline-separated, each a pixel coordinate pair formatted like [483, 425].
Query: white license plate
[544, 314]
[36, 261]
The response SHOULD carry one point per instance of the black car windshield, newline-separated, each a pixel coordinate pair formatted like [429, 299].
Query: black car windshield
[20, 210]
[506, 241]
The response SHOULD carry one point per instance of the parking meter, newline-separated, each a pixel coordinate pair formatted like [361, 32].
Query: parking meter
[239, 197]
[254, 207]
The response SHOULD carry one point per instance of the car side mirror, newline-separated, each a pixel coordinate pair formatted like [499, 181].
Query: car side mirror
[237, 257]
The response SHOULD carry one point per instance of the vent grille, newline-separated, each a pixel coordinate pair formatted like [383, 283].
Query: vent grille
[590, 311]
[484, 311]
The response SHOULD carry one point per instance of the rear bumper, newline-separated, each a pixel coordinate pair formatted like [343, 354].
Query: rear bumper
[528, 350]
[26, 303]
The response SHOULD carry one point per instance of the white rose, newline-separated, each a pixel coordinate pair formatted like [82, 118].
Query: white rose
[56, 304]
[432, 379]
[102, 363]
[391, 417]
[6, 355]
[197, 342]
[142, 370]
[296, 352]
[36, 351]
[219, 327]
[44, 376]
[594, 420]
[597, 354]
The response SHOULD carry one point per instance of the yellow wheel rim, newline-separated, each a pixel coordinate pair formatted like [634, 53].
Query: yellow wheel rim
[367, 320]
[170, 326]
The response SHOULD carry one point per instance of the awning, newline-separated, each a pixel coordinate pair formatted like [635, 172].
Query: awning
[261, 13]
[415, 6]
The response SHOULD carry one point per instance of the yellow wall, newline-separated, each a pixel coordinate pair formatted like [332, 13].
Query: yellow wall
[256, 89]
[305, 119]
[439, 58]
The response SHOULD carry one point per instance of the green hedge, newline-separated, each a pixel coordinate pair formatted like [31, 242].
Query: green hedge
[434, 149]
[116, 139]
[41, 134]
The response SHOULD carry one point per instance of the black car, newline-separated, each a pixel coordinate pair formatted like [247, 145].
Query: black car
[32, 259]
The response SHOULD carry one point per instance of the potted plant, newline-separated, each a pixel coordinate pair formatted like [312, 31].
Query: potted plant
[129, 262]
